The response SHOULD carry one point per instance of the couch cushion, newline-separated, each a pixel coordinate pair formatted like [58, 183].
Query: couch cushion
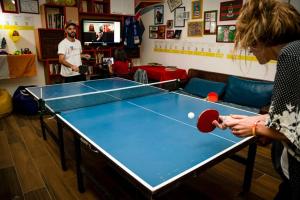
[201, 87]
[248, 92]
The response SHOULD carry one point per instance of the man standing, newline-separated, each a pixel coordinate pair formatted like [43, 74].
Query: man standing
[69, 52]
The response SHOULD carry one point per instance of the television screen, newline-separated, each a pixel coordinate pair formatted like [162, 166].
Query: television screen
[101, 31]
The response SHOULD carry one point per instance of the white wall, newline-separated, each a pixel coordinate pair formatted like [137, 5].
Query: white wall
[27, 41]
[223, 65]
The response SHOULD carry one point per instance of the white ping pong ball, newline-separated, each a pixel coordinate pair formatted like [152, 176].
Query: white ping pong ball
[191, 115]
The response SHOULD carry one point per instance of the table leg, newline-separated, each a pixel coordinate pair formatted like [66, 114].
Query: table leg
[80, 184]
[61, 145]
[249, 167]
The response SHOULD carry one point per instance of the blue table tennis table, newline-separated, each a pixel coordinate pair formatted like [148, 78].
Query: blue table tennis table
[144, 131]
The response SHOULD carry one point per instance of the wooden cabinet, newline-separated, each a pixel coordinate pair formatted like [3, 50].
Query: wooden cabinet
[47, 41]
[54, 16]
[52, 71]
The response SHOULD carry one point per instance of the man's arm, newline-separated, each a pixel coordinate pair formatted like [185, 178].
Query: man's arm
[62, 60]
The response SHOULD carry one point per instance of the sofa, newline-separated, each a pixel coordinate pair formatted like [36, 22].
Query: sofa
[249, 94]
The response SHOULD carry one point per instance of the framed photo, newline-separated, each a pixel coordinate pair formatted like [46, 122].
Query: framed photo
[159, 14]
[170, 34]
[177, 34]
[161, 32]
[226, 33]
[153, 32]
[210, 22]
[170, 24]
[230, 10]
[179, 17]
[197, 9]
[29, 6]
[10, 6]
[173, 4]
[195, 29]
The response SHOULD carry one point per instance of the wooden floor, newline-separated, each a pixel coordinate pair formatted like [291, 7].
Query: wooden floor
[30, 169]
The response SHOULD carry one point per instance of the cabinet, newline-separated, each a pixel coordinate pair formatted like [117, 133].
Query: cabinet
[47, 42]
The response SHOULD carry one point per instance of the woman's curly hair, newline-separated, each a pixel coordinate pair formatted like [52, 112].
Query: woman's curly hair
[268, 22]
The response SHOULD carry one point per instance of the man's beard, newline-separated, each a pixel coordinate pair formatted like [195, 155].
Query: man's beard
[72, 34]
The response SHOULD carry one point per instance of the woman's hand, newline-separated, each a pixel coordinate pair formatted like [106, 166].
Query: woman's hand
[240, 125]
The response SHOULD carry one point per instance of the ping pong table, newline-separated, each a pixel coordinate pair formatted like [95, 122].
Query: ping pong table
[144, 131]
[44, 93]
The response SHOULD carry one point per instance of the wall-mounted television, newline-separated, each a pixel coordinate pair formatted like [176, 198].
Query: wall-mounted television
[101, 32]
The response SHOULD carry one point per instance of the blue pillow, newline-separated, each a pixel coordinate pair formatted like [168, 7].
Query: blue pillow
[248, 92]
[202, 87]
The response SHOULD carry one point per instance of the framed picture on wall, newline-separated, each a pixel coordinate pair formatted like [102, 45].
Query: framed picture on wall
[159, 14]
[170, 34]
[195, 29]
[29, 6]
[161, 32]
[153, 32]
[177, 34]
[197, 9]
[10, 6]
[179, 17]
[226, 33]
[210, 22]
[170, 24]
[230, 10]
[173, 4]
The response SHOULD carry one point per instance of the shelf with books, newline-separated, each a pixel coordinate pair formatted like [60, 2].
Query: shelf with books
[52, 16]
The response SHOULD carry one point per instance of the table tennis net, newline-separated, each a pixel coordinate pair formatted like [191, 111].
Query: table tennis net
[101, 97]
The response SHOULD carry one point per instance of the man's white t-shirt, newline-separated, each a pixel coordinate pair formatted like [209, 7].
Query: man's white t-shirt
[72, 51]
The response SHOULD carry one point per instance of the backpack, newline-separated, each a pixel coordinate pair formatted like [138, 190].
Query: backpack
[23, 102]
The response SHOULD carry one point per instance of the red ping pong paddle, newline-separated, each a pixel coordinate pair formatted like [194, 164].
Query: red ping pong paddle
[205, 120]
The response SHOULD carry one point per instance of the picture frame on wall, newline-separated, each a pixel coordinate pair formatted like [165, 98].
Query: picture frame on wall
[10, 6]
[159, 14]
[226, 33]
[230, 10]
[210, 22]
[153, 32]
[161, 32]
[179, 17]
[173, 4]
[29, 6]
[170, 34]
[195, 29]
[170, 24]
[197, 9]
[177, 34]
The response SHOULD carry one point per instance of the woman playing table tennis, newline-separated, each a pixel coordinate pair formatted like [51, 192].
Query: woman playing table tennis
[271, 29]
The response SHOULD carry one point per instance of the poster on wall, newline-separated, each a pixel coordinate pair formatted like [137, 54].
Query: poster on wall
[197, 9]
[210, 22]
[159, 14]
[29, 6]
[194, 29]
[226, 33]
[173, 4]
[230, 10]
